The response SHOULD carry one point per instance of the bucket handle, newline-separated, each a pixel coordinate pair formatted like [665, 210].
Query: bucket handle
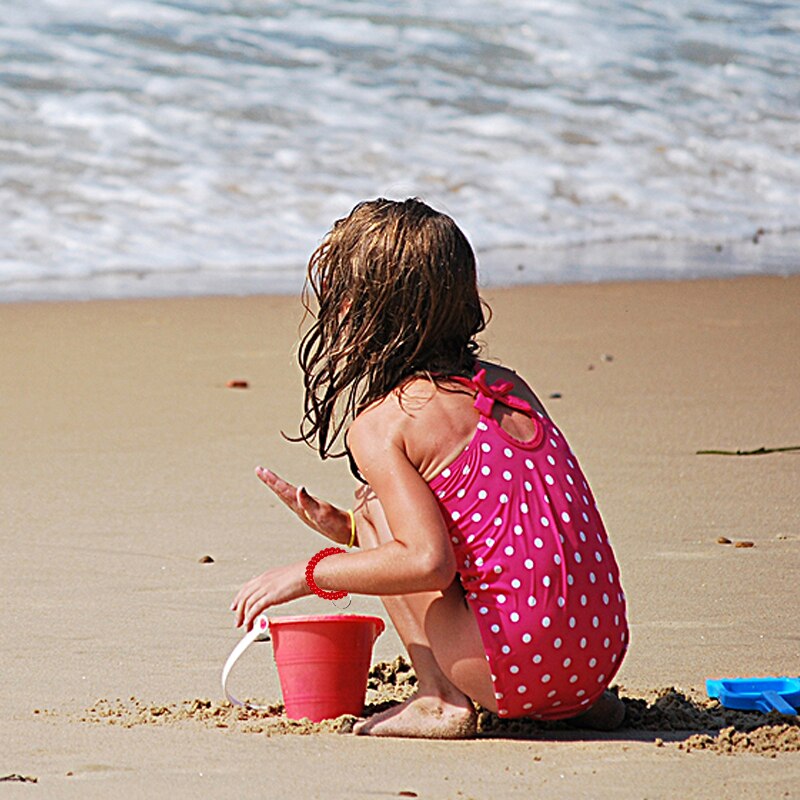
[258, 633]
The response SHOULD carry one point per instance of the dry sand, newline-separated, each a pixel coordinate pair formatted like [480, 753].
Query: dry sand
[127, 459]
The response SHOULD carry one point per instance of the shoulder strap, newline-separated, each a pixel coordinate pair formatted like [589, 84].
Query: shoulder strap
[487, 395]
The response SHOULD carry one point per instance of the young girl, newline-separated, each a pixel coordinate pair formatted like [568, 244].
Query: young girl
[475, 524]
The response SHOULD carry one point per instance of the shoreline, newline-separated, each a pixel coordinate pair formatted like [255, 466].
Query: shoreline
[637, 260]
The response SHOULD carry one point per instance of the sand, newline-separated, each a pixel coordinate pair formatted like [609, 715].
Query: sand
[130, 515]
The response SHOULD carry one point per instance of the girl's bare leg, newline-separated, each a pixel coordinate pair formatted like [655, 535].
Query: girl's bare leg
[441, 636]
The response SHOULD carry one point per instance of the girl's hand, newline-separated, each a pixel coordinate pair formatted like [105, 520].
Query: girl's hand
[271, 588]
[323, 517]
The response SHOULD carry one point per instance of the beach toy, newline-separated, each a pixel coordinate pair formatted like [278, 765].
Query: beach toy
[757, 694]
[323, 662]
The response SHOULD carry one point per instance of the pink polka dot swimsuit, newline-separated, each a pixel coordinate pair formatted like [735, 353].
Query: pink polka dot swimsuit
[535, 563]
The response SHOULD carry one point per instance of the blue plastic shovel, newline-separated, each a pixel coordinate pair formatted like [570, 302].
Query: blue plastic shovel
[757, 694]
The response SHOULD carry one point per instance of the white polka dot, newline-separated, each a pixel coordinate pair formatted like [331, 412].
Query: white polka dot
[582, 536]
[471, 538]
[465, 471]
[601, 678]
[578, 558]
[507, 475]
[528, 463]
[501, 598]
[571, 463]
[490, 542]
[584, 600]
[545, 522]
[528, 486]
[557, 642]
[583, 643]
[573, 678]
[565, 516]
[538, 543]
[513, 616]
[508, 452]
[553, 443]
[546, 580]
[556, 559]
[483, 587]
[551, 461]
[570, 481]
[592, 577]
[568, 497]
[598, 556]
[537, 659]
[556, 704]
[445, 473]
[531, 601]
[486, 470]
[498, 521]
[527, 706]
[546, 498]
[483, 610]
[580, 693]
[546, 622]
[552, 693]
[606, 643]
[561, 602]
[592, 663]
[572, 622]
[526, 637]
[456, 515]
[495, 628]
[476, 517]
[523, 507]
[610, 578]
[515, 583]
[454, 539]
[478, 562]
[482, 495]
[503, 712]
[518, 529]
[546, 678]
[605, 599]
[522, 689]
[585, 499]
[566, 662]
[482, 426]
[513, 669]
[509, 551]
[486, 447]
[585, 516]
[616, 619]
[497, 569]
[595, 622]
[528, 563]
[505, 649]
[570, 579]
[614, 659]
[549, 480]
[460, 493]
[504, 498]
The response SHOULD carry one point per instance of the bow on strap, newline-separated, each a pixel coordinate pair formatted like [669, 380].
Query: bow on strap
[487, 395]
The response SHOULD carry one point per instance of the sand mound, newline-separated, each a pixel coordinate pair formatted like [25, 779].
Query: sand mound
[691, 724]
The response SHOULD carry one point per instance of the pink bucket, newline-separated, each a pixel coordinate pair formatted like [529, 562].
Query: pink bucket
[323, 663]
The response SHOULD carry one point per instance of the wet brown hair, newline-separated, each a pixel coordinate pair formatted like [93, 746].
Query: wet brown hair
[395, 285]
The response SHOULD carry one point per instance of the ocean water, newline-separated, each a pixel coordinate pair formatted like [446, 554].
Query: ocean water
[191, 146]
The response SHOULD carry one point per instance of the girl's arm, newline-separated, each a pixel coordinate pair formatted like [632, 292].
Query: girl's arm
[420, 557]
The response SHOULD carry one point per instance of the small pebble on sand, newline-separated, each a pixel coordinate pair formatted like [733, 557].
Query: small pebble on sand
[723, 540]
[205, 560]
[238, 385]
[745, 544]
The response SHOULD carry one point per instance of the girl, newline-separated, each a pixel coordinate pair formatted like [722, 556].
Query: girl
[475, 524]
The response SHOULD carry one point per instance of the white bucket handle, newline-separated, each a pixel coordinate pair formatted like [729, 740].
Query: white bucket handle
[258, 633]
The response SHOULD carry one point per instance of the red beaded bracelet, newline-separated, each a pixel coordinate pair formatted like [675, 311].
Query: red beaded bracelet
[328, 551]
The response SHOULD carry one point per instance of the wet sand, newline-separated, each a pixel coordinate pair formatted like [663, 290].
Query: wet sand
[128, 459]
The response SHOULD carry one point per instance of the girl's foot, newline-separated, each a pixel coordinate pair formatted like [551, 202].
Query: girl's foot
[607, 714]
[423, 717]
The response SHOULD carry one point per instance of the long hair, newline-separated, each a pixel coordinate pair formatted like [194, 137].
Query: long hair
[395, 286]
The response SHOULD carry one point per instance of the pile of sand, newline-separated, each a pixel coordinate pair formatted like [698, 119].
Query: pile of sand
[690, 724]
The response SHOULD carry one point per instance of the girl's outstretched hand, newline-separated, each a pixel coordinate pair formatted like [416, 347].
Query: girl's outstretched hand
[271, 588]
[323, 517]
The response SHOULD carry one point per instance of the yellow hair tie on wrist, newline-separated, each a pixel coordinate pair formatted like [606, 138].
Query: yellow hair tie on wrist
[352, 527]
